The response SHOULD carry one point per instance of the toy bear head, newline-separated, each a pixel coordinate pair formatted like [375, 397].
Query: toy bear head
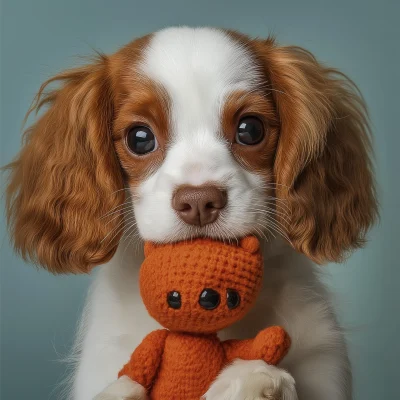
[200, 286]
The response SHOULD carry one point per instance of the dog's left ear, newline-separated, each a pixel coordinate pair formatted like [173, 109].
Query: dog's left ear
[323, 168]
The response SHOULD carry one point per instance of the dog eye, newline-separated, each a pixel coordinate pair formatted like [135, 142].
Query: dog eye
[250, 131]
[141, 140]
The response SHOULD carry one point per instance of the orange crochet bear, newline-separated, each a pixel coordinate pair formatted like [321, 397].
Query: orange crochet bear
[195, 289]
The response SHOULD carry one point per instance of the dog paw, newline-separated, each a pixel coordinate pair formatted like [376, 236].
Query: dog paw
[252, 380]
[123, 389]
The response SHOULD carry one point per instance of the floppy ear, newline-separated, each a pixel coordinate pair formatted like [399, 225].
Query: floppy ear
[323, 169]
[67, 175]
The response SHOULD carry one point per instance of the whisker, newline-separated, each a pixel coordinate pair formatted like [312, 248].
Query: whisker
[117, 229]
[272, 212]
[270, 205]
[264, 206]
[277, 204]
[126, 203]
[279, 229]
[134, 238]
[121, 211]
[271, 185]
[120, 190]
[262, 233]
[121, 214]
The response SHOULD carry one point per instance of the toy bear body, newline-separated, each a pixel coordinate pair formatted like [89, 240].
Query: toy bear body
[195, 289]
[182, 366]
[188, 364]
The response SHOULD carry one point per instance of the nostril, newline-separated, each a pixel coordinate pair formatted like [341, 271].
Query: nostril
[185, 207]
[209, 299]
[215, 199]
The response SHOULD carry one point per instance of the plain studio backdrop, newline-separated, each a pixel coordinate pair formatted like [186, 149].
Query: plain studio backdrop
[39, 38]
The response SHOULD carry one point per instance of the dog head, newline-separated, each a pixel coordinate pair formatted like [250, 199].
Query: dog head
[211, 133]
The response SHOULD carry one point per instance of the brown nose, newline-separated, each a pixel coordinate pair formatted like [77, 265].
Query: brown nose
[199, 205]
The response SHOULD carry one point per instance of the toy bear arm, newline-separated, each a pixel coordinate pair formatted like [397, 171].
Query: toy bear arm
[270, 345]
[236, 348]
[145, 360]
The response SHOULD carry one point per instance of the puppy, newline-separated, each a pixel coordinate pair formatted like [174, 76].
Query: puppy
[190, 133]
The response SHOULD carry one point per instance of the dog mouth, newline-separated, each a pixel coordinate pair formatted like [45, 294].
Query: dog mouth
[223, 229]
[248, 212]
[263, 222]
[219, 229]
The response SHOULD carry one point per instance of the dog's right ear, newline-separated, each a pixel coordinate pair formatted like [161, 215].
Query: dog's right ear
[67, 176]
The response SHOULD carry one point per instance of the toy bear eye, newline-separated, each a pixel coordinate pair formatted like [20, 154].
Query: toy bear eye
[209, 299]
[174, 300]
[232, 298]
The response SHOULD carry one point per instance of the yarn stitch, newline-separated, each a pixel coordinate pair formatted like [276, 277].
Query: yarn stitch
[181, 361]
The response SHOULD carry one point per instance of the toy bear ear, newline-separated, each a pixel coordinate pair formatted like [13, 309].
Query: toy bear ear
[250, 244]
[148, 248]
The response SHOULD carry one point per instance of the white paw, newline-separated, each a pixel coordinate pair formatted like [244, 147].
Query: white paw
[123, 389]
[252, 380]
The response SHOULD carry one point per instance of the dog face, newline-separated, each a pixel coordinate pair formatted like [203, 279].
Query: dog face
[212, 133]
[196, 181]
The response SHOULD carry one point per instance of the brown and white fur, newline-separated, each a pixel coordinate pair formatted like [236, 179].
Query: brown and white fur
[76, 188]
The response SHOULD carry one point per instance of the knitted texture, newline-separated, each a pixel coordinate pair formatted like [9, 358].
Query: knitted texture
[182, 366]
[189, 268]
[180, 363]
[145, 360]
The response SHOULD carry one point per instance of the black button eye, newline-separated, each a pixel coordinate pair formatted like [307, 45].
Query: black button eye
[250, 131]
[174, 300]
[209, 299]
[232, 298]
[141, 140]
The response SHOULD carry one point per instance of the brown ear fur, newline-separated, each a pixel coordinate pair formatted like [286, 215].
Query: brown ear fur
[323, 168]
[67, 175]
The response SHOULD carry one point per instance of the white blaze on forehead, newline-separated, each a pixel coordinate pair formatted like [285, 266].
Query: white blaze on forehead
[198, 67]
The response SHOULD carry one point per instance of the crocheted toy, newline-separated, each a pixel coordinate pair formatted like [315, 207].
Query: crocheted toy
[195, 289]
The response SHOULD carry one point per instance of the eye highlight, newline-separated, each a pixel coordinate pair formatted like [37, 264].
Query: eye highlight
[250, 131]
[141, 140]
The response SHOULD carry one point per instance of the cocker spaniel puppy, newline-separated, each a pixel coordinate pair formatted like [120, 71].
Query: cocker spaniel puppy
[199, 132]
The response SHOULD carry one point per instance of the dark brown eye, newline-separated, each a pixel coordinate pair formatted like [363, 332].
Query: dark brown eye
[250, 131]
[141, 140]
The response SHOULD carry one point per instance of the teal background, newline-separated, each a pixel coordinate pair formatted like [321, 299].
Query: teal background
[38, 38]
